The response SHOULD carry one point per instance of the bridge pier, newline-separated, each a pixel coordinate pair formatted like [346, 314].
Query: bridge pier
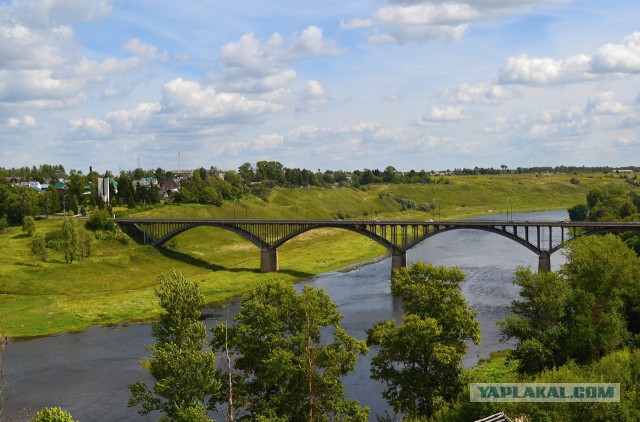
[544, 262]
[398, 259]
[269, 260]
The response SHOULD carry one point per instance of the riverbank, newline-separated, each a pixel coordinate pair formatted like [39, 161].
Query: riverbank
[116, 283]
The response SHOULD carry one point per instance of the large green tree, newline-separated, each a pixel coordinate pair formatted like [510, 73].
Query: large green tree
[420, 360]
[184, 373]
[39, 248]
[588, 309]
[538, 320]
[70, 236]
[29, 224]
[289, 353]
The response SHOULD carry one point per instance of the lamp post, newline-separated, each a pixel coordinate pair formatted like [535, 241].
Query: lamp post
[508, 197]
[433, 208]
[297, 207]
[365, 198]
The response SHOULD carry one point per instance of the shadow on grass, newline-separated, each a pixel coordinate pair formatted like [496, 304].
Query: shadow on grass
[20, 236]
[190, 260]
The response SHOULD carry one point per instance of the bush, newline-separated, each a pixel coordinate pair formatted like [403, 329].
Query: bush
[55, 244]
[29, 224]
[53, 414]
[101, 220]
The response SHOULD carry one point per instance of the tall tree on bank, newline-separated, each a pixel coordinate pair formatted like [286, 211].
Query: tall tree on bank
[285, 366]
[184, 373]
[583, 312]
[420, 360]
[70, 236]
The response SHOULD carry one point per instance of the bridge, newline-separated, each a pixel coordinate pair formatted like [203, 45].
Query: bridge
[541, 237]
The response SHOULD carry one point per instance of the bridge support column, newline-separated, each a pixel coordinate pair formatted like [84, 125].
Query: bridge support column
[544, 262]
[398, 259]
[269, 260]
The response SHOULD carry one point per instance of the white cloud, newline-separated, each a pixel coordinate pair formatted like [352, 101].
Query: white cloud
[133, 120]
[312, 97]
[443, 114]
[48, 13]
[618, 58]
[481, 93]
[89, 128]
[498, 125]
[186, 107]
[145, 51]
[26, 122]
[189, 100]
[41, 65]
[544, 71]
[356, 23]
[425, 20]
[605, 103]
[610, 59]
[312, 42]
[265, 142]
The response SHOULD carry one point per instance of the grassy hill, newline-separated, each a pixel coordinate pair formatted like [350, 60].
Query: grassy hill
[117, 282]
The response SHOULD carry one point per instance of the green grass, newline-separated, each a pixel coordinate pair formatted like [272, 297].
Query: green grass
[116, 284]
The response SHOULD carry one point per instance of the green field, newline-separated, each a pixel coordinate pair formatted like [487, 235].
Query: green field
[116, 284]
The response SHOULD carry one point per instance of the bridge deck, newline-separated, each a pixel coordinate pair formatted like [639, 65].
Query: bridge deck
[541, 237]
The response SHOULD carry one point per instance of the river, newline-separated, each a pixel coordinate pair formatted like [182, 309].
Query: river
[86, 373]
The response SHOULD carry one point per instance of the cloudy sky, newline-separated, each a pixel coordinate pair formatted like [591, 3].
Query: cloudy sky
[416, 84]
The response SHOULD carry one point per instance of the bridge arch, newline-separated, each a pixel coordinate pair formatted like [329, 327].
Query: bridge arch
[356, 229]
[503, 233]
[237, 230]
[600, 231]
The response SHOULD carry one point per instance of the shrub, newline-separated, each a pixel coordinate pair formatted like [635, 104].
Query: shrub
[101, 220]
[29, 224]
[53, 414]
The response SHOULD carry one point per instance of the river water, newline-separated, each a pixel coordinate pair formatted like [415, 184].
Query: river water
[86, 373]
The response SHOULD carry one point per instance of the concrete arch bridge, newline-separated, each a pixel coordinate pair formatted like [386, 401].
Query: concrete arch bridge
[541, 237]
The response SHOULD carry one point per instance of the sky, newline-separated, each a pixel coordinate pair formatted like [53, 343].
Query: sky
[330, 85]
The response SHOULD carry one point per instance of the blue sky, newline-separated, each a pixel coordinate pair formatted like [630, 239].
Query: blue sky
[416, 84]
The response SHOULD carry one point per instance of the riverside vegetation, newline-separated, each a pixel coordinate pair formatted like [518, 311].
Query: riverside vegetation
[116, 283]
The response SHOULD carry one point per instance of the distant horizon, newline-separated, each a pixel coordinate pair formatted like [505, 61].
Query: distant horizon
[315, 169]
[369, 83]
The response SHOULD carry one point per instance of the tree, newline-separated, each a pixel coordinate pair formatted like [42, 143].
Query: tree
[51, 200]
[101, 220]
[52, 414]
[85, 243]
[538, 320]
[70, 236]
[20, 201]
[184, 373]
[415, 357]
[579, 212]
[287, 364]
[39, 248]
[29, 225]
[583, 312]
